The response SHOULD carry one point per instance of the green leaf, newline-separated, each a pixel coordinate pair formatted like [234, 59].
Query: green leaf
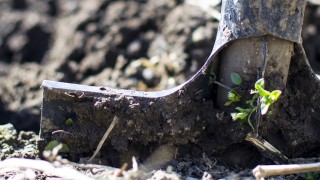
[55, 143]
[253, 91]
[236, 79]
[274, 95]
[64, 149]
[69, 122]
[51, 145]
[264, 99]
[243, 110]
[259, 85]
[228, 103]
[264, 108]
[236, 116]
[233, 96]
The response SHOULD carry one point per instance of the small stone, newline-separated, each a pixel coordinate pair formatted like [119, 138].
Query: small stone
[198, 34]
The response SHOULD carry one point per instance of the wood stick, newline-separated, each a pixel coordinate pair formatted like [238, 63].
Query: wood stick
[262, 171]
[106, 134]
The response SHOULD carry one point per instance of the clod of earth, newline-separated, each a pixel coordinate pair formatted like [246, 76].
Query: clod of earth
[13, 144]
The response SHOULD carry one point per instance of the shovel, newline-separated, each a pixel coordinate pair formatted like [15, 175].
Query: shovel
[250, 39]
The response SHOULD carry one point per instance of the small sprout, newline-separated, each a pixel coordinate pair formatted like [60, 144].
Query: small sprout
[244, 115]
[266, 99]
[228, 103]
[239, 116]
[55, 143]
[236, 79]
[274, 96]
[259, 85]
[69, 122]
[243, 110]
[233, 96]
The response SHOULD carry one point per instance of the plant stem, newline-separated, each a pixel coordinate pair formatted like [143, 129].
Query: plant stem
[249, 120]
[222, 85]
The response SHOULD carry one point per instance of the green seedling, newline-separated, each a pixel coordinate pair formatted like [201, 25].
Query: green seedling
[266, 99]
[55, 143]
[69, 122]
[233, 97]
[244, 115]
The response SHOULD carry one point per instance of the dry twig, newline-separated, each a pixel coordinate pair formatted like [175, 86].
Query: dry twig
[267, 149]
[262, 171]
[105, 136]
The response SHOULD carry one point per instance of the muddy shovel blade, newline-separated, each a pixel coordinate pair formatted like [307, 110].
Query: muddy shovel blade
[79, 115]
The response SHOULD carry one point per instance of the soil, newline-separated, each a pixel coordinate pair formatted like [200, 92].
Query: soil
[139, 45]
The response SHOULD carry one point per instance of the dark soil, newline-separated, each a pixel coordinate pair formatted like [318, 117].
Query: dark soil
[143, 45]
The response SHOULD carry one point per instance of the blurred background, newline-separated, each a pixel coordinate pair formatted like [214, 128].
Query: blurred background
[144, 45]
